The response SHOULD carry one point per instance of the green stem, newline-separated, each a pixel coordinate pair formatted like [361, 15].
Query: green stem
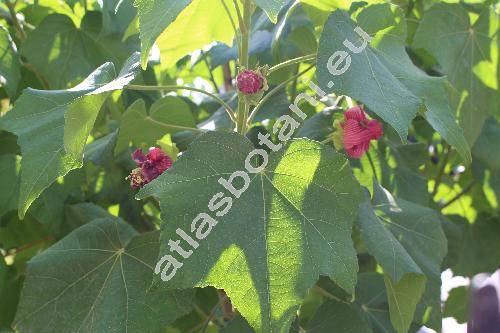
[212, 78]
[228, 109]
[17, 25]
[233, 24]
[372, 165]
[291, 62]
[274, 91]
[245, 24]
[459, 195]
[440, 174]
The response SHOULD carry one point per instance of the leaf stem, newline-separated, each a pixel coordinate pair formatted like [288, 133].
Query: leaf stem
[328, 295]
[212, 78]
[226, 106]
[212, 314]
[372, 165]
[274, 91]
[233, 24]
[291, 62]
[11, 6]
[440, 174]
[459, 195]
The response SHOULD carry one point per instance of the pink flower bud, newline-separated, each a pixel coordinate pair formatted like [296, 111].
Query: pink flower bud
[249, 82]
[358, 131]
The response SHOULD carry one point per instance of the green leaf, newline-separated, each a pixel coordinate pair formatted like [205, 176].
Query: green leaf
[192, 30]
[390, 44]
[468, 55]
[457, 304]
[167, 115]
[291, 224]
[335, 316]
[368, 79]
[53, 126]
[417, 245]
[478, 243]
[10, 72]
[100, 151]
[98, 276]
[271, 7]
[388, 27]
[9, 191]
[486, 149]
[61, 52]
[154, 17]
[403, 298]
[10, 289]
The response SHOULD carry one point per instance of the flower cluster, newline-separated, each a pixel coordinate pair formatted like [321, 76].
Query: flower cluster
[149, 166]
[355, 132]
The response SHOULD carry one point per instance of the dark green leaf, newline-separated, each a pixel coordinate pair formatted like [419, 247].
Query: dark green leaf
[291, 224]
[10, 73]
[98, 276]
[53, 126]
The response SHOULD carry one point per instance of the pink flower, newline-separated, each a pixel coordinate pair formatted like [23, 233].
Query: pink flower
[249, 82]
[150, 166]
[358, 131]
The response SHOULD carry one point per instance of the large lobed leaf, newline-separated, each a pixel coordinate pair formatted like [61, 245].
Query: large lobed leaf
[393, 80]
[468, 54]
[292, 224]
[53, 126]
[97, 279]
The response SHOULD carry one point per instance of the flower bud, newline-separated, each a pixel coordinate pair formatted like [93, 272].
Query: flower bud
[249, 82]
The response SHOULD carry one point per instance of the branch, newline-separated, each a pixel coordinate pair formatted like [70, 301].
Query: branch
[291, 62]
[274, 91]
[459, 195]
[440, 174]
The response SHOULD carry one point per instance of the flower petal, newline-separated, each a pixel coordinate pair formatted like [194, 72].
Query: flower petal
[355, 113]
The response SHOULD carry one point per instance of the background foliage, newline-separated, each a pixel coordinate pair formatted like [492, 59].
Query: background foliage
[318, 243]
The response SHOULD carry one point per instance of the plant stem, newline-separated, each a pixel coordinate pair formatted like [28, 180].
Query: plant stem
[233, 24]
[212, 78]
[328, 295]
[291, 62]
[459, 195]
[212, 314]
[274, 91]
[229, 110]
[440, 174]
[372, 165]
[243, 107]
[17, 25]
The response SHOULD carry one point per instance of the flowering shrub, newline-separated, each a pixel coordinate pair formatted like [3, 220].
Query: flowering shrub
[246, 166]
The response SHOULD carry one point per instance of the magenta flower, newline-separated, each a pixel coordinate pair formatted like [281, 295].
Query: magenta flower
[249, 82]
[150, 166]
[358, 131]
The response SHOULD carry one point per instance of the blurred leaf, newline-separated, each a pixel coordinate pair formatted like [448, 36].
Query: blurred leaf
[61, 52]
[487, 147]
[182, 36]
[468, 55]
[10, 73]
[154, 17]
[457, 304]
